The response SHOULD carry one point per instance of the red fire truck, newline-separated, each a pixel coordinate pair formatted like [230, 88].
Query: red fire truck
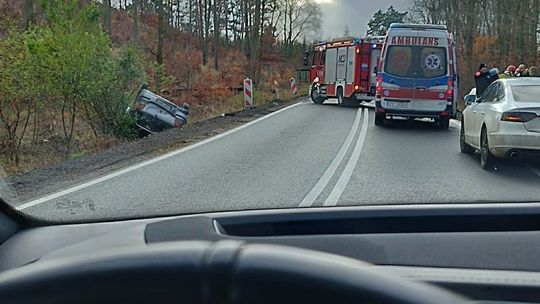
[345, 69]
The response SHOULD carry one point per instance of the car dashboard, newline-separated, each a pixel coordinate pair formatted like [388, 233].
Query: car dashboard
[486, 252]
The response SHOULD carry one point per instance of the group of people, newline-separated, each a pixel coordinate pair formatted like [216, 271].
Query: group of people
[485, 76]
[520, 71]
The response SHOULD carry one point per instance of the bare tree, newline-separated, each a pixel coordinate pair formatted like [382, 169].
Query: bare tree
[255, 37]
[300, 18]
[135, 6]
[107, 14]
[161, 33]
[29, 13]
[216, 16]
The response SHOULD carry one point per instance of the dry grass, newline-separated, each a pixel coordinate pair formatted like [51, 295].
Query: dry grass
[50, 151]
[49, 147]
[235, 102]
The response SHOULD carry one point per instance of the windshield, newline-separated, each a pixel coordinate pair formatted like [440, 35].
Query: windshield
[415, 61]
[528, 93]
[142, 108]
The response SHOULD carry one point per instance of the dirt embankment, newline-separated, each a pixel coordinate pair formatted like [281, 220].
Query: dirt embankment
[43, 181]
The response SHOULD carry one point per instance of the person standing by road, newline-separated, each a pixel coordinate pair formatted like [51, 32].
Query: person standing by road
[520, 71]
[533, 72]
[483, 78]
[509, 72]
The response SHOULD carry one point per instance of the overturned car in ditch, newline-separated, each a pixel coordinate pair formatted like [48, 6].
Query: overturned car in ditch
[154, 113]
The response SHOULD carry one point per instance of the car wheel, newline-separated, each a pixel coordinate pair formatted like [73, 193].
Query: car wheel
[464, 146]
[379, 119]
[486, 158]
[444, 123]
[315, 97]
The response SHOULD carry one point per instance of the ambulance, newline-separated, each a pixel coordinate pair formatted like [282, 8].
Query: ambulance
[417, 74]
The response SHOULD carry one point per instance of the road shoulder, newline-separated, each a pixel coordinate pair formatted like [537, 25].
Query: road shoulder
[42, 181]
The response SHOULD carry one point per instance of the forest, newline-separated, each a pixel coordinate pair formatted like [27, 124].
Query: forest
[495, 32]
[70, 68]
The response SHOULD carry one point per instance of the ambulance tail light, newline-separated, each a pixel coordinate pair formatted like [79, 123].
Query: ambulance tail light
[450, 91]
[378, 89]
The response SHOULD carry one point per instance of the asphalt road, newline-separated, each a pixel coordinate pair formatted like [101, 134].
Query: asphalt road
[305, 155]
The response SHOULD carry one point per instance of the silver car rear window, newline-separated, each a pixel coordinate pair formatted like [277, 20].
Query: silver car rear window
[526, 93]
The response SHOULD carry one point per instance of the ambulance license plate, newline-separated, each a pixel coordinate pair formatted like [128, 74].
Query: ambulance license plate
[398, 105]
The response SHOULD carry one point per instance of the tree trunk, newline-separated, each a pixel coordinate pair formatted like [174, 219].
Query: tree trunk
[159, 55]
[255, 37]
[207, 6]
[290, 31]
[107, 15]
[226, 23]
[533, 29]
[245, 30]
[29, 13]
[190, 17]
[136, 19]
[470, 27]
[200, 29]
[215, 44]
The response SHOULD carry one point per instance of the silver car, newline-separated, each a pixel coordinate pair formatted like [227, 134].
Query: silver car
[155, 113]
[504, 122]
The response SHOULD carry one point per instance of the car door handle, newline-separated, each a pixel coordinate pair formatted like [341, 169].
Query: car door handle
[474, 112]
[483, 113]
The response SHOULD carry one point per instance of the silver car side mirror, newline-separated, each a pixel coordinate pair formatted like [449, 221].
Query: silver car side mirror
[470, 99]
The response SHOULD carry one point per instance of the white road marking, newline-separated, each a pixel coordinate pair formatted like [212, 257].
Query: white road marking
[331, 170]
[146, 163]
[336, 193]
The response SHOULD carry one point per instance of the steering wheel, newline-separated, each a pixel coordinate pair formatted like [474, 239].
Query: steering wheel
[205, 272]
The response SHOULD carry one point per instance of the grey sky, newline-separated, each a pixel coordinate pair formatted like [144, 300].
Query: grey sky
[353, 13]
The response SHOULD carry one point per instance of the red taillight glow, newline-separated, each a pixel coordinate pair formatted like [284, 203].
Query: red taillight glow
[518, 116]
[450, 91]
[177, 123]
[378, 89]
[444, 114]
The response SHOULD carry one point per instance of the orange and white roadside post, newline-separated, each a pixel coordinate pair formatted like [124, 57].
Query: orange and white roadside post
[248, 93]
[294, 89]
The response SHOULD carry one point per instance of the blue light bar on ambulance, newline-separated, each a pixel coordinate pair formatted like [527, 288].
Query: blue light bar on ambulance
[374, 39]
[418, 26]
